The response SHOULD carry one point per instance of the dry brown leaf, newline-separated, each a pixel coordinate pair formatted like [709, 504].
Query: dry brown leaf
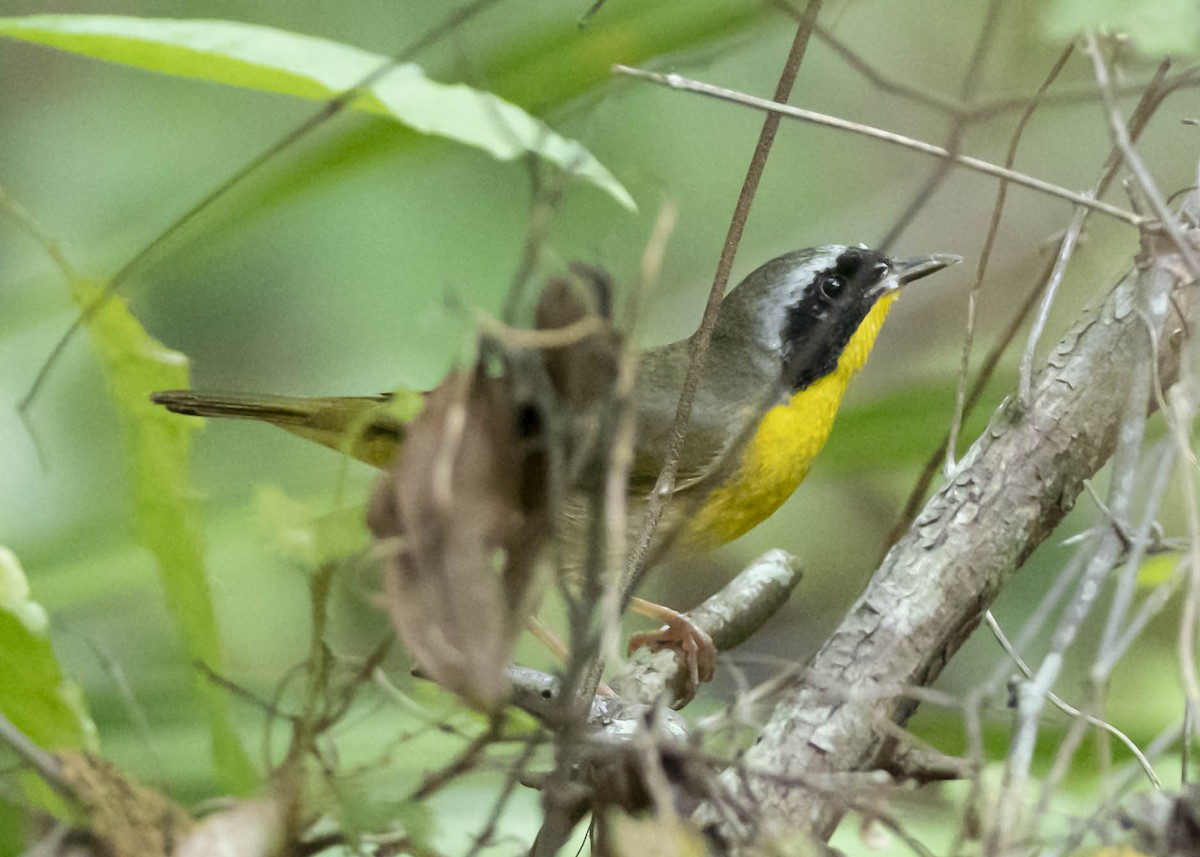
[460, 521]
[463, 515]
[582, 370]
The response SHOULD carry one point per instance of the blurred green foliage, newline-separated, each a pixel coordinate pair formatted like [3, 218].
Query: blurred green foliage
[344, 267]
[35, 696]
[269, 60]
[1162, 27]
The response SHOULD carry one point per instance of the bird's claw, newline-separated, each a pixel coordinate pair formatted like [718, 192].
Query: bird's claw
[689, 641]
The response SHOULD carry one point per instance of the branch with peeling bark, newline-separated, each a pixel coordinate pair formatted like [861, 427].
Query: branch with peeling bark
[1010, 491]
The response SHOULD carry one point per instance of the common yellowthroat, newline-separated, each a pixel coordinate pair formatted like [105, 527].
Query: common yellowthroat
[787, 342]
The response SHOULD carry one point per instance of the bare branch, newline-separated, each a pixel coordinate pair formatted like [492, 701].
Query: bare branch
[1152, 97]
[731, 616]
[1124, 142]
[1066, 250]
[675, 81]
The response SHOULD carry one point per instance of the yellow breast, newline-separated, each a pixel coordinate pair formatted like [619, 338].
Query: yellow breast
[779, 455]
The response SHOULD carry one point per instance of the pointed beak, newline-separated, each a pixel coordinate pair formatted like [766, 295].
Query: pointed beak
[905, 271]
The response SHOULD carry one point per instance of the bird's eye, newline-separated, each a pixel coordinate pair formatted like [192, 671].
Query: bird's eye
[831, 284]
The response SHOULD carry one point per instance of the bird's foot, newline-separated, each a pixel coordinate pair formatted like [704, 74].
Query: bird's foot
[689, 641]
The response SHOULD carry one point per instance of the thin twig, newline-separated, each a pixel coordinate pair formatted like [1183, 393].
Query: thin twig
[971, 113]
[986, 370]
[1149, 608]
[616, 499]
[1110, 649]
[1152, 97]
[648, 748]
[663, 488]
[1135, 163]
[1068, 709]
[853, 792]
[26, 221]
[363, 675]
[544, 201]
[675, 81]
[1185, 79]
[1063, 757]
[511, 780]
[983, 41]
[523, 337]
[985, 255]
[958, 129]
[877, 78]
[973, 724]
[1153, 285]
[115, 673]
[1066, 250]
[1064, 581]
[462, 763]
[1183, 406]
[44, 764]
[1146, 106]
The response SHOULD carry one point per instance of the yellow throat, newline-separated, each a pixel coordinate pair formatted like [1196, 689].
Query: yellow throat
[779, 455]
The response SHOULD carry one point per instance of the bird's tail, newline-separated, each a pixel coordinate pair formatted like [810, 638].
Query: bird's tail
[362, 426]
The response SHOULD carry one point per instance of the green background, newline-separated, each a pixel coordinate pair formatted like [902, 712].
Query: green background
[345, 267]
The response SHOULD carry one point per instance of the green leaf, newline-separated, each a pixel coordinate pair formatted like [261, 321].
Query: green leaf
[542, 69]
[270, 60]
[556, 63]
[34, 695]
[1157, 26]
[157, 447]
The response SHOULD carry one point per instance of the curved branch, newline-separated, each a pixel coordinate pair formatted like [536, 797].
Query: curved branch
[731, 616]
[1012, 488]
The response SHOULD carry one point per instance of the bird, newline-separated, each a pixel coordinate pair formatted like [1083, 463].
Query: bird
[787, 341]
